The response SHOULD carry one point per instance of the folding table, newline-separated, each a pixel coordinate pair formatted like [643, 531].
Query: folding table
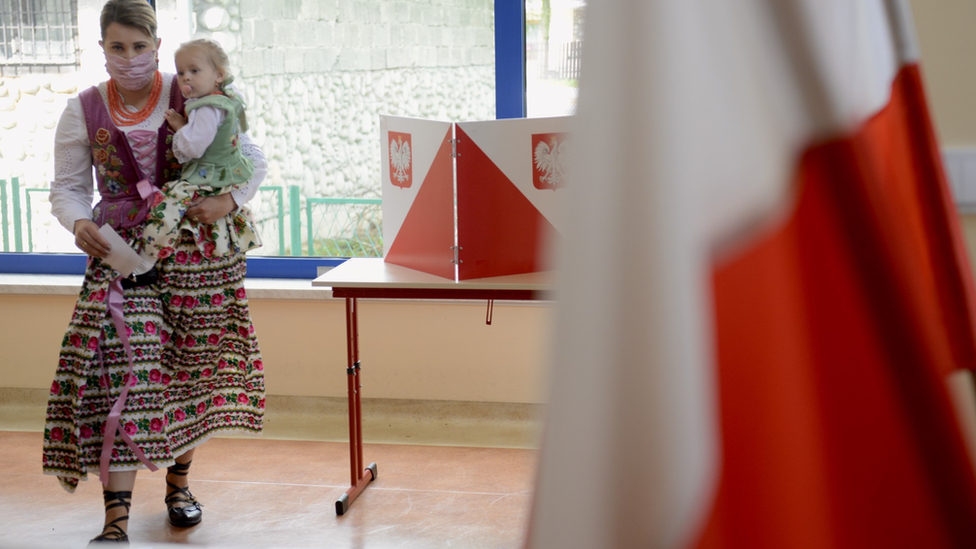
[373, 278]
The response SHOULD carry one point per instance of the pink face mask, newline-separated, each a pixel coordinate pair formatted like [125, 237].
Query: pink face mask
[131, 74]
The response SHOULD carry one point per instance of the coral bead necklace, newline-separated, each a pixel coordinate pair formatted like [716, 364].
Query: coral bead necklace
[123, 117]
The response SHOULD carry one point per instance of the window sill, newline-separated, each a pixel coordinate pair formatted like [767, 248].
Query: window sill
[257, 288]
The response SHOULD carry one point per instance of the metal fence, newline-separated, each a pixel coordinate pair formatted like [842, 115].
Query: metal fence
[10, 214]
[344, 227]
[554, 61]
[289, 224]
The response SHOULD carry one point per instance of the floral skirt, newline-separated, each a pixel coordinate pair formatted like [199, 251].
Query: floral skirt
[197, 366]
[167, 222]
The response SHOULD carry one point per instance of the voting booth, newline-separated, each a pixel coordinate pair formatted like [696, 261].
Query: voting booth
[471, 200]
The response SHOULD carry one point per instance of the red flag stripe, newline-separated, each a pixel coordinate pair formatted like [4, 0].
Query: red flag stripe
[836, 426]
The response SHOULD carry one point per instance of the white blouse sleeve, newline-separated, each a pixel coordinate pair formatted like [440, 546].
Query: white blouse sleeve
[72, 190]
[192, 140]
[246, 191]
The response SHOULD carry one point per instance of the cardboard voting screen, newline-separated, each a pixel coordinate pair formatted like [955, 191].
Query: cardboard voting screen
[496, 184]
[418, 194]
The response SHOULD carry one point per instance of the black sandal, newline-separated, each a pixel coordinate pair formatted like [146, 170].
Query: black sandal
[186, 515]
[112, 532]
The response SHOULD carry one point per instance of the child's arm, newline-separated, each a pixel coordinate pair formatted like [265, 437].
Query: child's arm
[175, 119]
[193, 138]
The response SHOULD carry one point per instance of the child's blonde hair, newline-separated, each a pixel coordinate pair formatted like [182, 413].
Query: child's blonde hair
[221, 63]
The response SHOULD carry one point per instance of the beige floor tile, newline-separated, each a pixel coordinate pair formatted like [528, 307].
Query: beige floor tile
[281, 493]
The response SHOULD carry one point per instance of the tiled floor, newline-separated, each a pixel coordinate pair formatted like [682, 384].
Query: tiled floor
[281, 494]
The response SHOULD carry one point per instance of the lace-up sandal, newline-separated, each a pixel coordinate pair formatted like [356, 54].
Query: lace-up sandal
[113, 533]
[189, 513]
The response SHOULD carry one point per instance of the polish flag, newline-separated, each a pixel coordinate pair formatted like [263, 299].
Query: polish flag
[762, 288]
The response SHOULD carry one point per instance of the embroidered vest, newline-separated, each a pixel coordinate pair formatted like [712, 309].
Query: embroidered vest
[222, 164]
[116, 170]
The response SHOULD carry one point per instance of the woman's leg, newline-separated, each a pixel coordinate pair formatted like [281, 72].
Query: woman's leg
[118, 499]
[211, 357]
[184, 509]
[181, 481]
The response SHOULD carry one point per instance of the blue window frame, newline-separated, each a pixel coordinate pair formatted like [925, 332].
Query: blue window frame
[71, 264]
[509, 103]
[510, 59]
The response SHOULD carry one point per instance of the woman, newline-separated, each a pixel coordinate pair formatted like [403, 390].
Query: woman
[149, 368]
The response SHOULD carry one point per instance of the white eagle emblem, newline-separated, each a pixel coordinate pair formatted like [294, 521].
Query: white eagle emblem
[400, 159]
[550, 162]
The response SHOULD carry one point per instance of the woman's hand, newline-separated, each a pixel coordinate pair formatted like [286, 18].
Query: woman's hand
[210, 209]
[175, 119]
[89, 240]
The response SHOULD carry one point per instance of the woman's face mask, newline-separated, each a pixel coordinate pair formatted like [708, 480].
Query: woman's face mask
[131, 74]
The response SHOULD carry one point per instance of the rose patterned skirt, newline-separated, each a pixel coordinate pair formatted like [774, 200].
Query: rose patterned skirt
[167, 221]
[197, 366]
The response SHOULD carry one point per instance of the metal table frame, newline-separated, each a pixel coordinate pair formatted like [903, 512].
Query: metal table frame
[374, 279]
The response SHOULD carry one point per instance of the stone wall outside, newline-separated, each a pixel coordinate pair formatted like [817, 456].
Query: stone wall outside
[318, 73]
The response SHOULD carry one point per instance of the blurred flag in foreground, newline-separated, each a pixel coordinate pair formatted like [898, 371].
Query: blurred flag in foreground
[762, 290]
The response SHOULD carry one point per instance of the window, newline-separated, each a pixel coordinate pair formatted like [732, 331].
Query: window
[38, 36]
[314, 89]
[553, 35]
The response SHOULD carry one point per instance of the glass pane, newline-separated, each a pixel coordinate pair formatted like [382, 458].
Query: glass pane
[315, 75]
[553, 35]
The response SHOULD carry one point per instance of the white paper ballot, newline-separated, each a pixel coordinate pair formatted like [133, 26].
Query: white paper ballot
[121, 257]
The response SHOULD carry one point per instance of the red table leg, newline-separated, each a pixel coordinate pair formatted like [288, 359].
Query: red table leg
[360, 477]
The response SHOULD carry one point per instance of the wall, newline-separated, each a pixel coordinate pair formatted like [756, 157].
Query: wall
[415, 350]
[948, 46]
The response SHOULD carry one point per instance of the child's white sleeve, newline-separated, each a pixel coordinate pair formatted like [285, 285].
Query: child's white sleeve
[192, 140]
[246, 191]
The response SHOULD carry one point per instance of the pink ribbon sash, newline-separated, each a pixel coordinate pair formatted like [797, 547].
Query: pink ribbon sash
[116, 303]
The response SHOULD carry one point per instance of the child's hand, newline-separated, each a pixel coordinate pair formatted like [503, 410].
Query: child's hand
[210, 209]
[175, 119]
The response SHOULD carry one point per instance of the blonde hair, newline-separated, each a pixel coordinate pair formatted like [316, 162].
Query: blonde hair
[215, 54]
[131, 13]
[221, 63]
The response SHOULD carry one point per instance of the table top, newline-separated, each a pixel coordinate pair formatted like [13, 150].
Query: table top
[378, 274]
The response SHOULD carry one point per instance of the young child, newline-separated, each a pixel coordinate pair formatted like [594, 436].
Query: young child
[206, 143]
